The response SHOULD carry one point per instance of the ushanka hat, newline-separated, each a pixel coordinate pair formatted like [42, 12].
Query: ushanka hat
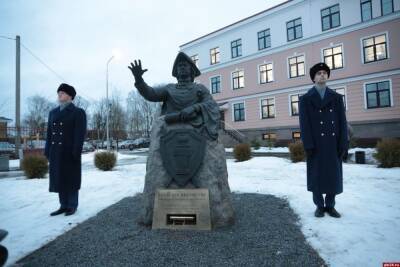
[182, 56]
[68, 89]
[317, 67]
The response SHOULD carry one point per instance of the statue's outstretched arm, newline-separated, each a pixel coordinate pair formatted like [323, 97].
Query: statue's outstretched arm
[148, 92]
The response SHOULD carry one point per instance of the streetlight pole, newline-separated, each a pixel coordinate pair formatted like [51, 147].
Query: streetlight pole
[108, 106]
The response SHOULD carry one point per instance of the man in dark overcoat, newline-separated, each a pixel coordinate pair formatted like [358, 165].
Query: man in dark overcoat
[66, 130]
[323, 128]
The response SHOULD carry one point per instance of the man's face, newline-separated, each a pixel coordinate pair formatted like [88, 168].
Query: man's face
[321, 77]
[184, 69]
[63, 97]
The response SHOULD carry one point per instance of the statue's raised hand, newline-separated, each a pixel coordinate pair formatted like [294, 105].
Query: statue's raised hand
[137, 70]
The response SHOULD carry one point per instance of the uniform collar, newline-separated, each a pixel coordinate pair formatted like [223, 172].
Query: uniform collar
[316, 98]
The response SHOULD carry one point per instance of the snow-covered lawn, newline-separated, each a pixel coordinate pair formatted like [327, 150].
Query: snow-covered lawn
[367, 234]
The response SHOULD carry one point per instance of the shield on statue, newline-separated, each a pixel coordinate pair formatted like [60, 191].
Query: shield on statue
[182, 153]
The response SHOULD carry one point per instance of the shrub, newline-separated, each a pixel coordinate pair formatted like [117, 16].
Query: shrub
[105, 160]
[35, 166]
[270, 143]
[242, 152]
[388, 153]
[296, 151]
[255, 144]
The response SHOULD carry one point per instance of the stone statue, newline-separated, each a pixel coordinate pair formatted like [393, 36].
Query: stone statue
[184, 150]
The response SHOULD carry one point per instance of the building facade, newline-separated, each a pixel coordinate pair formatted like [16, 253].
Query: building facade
[257, 68]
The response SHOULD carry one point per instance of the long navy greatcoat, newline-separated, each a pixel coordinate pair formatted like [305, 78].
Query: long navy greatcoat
[323, 128]
[66, 132]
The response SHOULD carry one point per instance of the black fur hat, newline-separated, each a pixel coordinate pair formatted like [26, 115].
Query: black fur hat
[68, 89]
[317, 67]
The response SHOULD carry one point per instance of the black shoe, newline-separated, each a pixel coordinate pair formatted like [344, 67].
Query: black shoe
[319, 212]
[70, 211]
[58, 212]
[332, 212]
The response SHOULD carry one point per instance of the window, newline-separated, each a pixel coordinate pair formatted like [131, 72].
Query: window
[375, 48]
[294, 104]
[342, 92]
[296, 136]
[238, 111]
[294, 30]
[330, 17]
[378, 94]
[195, 59]
[264, 39]
[215, 84]
[265, 73]
[214, 55]
[386, 7]
[268, 108]
[366, 10]
[296, 66]
[333, 57]
[238, 79]
[269, 136]
[236, 48]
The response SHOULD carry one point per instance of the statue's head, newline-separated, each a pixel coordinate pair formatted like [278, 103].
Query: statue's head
[185, 67]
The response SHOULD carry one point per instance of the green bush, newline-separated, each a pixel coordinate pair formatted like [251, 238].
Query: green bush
[242, 152]
[388, 153]
[105, 160]
[296, 151]
[255, 144]
[35, 166]
[270, 143]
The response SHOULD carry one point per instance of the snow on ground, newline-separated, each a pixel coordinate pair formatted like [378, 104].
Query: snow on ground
[367, 234]
[25, 204]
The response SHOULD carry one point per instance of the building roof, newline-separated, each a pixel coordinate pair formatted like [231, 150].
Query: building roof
[237, 22]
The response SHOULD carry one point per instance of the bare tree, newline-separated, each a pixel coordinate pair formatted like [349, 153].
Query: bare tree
[38, 112]
[81, 102]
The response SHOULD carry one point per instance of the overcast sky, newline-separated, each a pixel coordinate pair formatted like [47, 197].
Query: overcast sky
[76, 38]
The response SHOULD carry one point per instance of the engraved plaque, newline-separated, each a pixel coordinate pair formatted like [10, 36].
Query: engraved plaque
[186, 209]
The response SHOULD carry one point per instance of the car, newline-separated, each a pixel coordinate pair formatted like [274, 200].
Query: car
[126, 144]
[87, 147]
[5, 146]
[141, 142]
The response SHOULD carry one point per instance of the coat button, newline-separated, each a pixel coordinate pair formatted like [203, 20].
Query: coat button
[52, 143]
[59, 143]
[60, 133]
[322, 134]
[333, 122]
[60, 123]
[54, 123]
[322, 122]
[54, 133]
[333, 134]
[330, 110]
[320, 110]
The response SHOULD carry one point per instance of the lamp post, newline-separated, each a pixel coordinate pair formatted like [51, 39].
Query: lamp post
[108, 106]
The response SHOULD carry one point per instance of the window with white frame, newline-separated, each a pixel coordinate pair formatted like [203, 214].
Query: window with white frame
[215, 84]
[214, 55]
[195, 59]
[264, 39]
[238, 112]
[296, 66]
[333, 57]
[294, 29]
[265, 72]
[268, 108]
[236, 48]
[294, 104]
[330, 17]
[238, 79]
[342, 92]
[366, 10]
[375, 48]
[386, 7]
[378, 94]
